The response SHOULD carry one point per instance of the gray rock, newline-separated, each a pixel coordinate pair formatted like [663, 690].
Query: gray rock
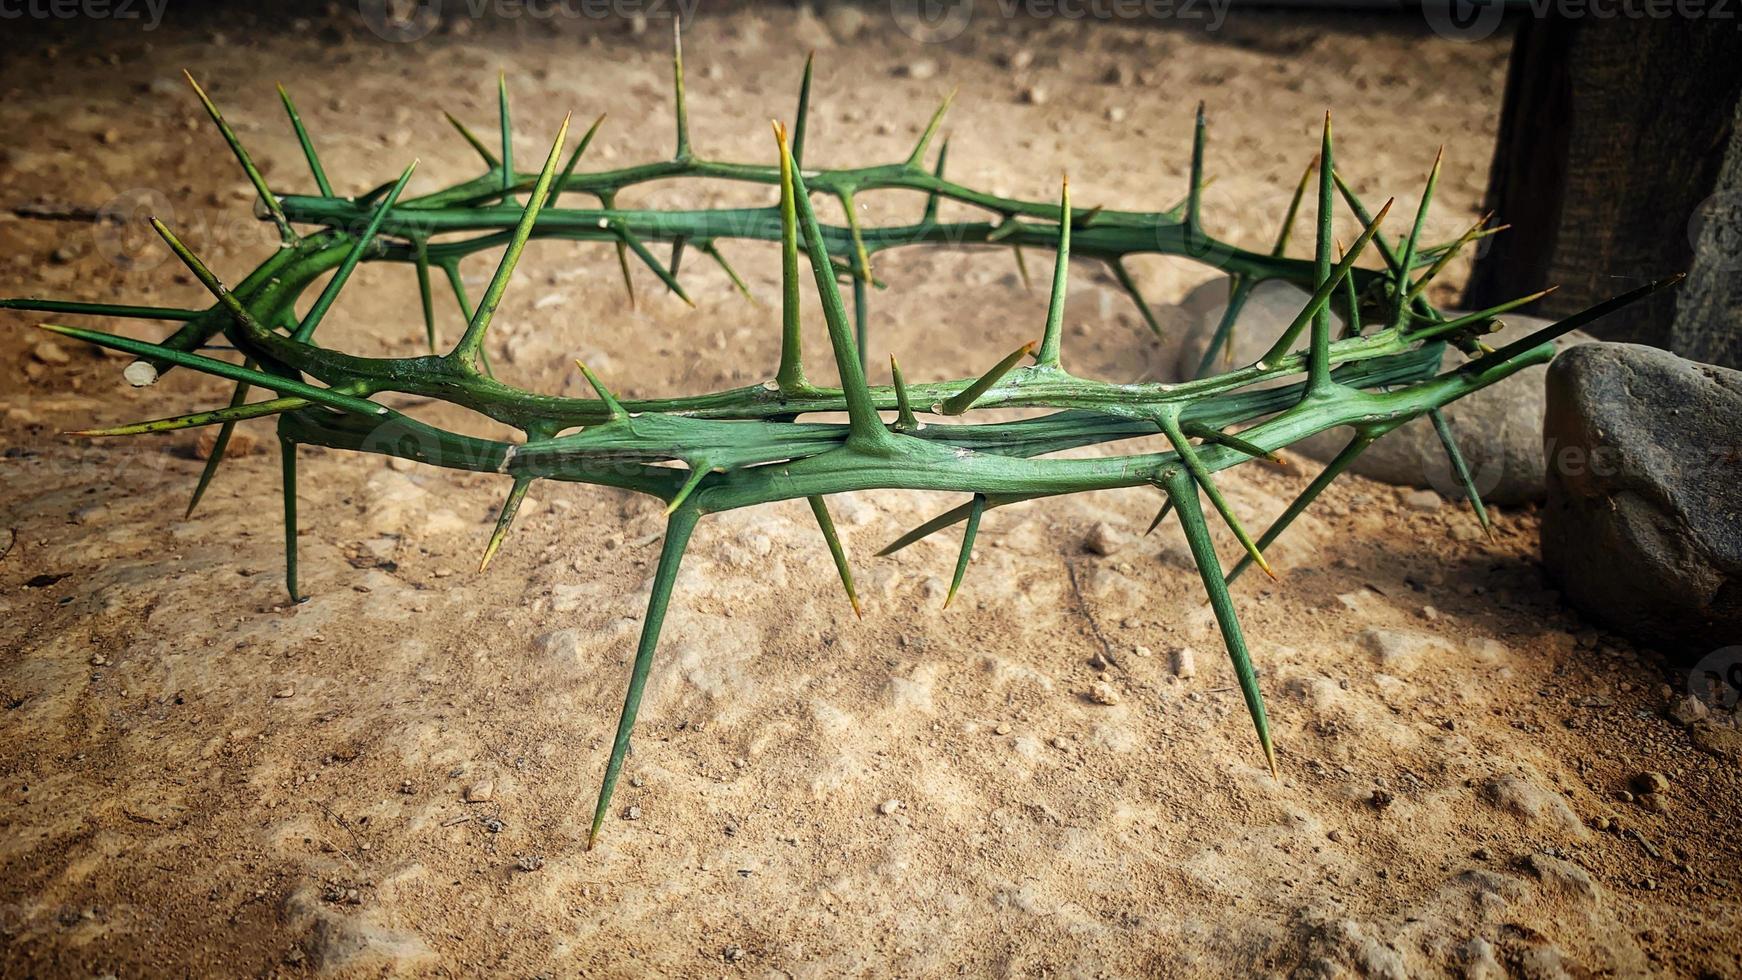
[1643, 527]
[1499, 429]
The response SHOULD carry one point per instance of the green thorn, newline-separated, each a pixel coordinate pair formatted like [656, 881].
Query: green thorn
[237, 411]
[1123, 276]
[1234, 442]
[1406, 261]
[678, 244]
[683, 117]
[505, 519]
[1022, 267]
[963, 400]
[916, 159]
[1061, 274]
[1332, 470]
[952, 516]
[1319, 352]
[507, 128]
[976, 509]
[425, 295]
[556, 187]
[1160, 515]
[1287, 230]
[31, 304]
[647, 258]
[308, 146]
[1239, 291]
[931, 200]
[1571, 323]
[677, 535]
[1199, 473]
[472, 138]
[698, 471]
[827, 524]
[802, 118]
[1195, 190]
[1445, 258]
[712, 250]
[468, 348]
[241, 154]
[904, 420]
[1183, 490]
[861, 258]
[866, 429]
[861, 318]
[1455, 456]
[1317, 305]
[220, 445]
[612, 405]
[287, 465]
[1435, 331]
[324, 302]
[330, 397]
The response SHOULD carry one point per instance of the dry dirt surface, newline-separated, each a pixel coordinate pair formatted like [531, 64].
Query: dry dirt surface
[1057, 777]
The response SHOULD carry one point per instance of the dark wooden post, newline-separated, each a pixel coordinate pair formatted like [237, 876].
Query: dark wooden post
[1612, 137]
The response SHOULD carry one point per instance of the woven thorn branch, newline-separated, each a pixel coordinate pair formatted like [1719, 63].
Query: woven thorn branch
[720, 451]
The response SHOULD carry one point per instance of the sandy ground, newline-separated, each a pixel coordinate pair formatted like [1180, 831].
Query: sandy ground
[201, 780]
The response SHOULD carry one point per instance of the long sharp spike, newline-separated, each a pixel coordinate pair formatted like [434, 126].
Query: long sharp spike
[1318, 305]
[237, 411]
[425, 296]
[801, 120]
[472, 139]
[1406, 262]
[505, 519]
[827, 524]
[287, 465]
[712, 251]
[328, 295]
[1195, 192]
[1332, 470]
[954, 515]
[963, 400]
[866, 428]
[556, 187]
[1460, 468]
[1183, 490]
[677, 536]
[273, 207]
[507, 128]
[308, 146]
[466, 351]
[916, 159]
[1061, 274]
[1129, 284]
[1195, 466]
[612, 405]
[1319, 355]
[698, 472]
[976, 509]
[683, 116]
[904, 420]
[930, 214]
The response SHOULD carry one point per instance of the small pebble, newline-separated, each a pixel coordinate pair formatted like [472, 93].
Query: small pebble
[285, 692]
[1103, 539]
[481, 791]
[49, 352]
[1650, 782]
[1003, 728]
[1104, 694]
[1424, 500]
[889, 806]
[632, 813]
[1116, 113]
[920, 70]
[1034, 95]
[1185, 663]
[529, 862]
